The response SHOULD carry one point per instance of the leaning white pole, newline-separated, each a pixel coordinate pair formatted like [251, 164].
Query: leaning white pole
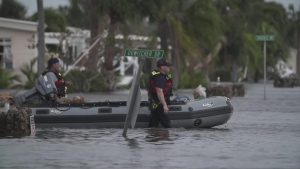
[83, 55]
[265, 68]
[86, 52]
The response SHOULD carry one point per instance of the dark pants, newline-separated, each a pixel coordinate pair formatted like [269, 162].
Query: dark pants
[158, 116]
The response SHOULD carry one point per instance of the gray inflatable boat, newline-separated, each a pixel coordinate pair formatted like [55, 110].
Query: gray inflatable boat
[203, 113]
[183, 112]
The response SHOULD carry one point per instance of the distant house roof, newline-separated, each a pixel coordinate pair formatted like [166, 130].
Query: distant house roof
[18, 24]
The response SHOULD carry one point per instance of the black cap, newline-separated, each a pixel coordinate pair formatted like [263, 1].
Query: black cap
[52, 61]
[162, 62]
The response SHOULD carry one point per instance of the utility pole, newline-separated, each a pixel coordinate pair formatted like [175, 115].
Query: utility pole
[265, 69]
[298, 58]
[41, 37]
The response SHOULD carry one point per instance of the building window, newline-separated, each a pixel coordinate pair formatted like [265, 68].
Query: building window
[6, 57]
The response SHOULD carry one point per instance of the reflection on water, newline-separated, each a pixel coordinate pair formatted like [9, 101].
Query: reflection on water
[156, 135]
[261, 134]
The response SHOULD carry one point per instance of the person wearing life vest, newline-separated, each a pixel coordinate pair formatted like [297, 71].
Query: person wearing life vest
[56, 78]
[159, 92]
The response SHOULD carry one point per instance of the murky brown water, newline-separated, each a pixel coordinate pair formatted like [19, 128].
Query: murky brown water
[260, 134]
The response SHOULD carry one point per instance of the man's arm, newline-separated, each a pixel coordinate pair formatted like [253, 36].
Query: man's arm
[52, 78]
[162, 99]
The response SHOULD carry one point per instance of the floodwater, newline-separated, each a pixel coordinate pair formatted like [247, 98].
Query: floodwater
[261, 134]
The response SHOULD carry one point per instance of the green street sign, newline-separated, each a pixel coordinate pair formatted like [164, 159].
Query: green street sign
[144, 53]
[264, 37]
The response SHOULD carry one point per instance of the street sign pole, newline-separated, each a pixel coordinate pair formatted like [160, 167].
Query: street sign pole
[265, 38]
[265, 68]
[134, 101]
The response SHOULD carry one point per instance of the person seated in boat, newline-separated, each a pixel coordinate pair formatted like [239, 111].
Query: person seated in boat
[199, 93]
[159, 92]
[56, 79]
[49, 87]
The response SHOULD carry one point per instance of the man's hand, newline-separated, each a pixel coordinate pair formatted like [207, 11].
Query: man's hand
[161, 98]
[68, 83]
[166, 109]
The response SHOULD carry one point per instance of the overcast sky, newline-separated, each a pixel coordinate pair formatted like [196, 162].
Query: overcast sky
[31, 4]
[32, 8]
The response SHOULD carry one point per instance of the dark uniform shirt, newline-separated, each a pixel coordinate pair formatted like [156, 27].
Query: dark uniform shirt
[159, 82]
[164, 82]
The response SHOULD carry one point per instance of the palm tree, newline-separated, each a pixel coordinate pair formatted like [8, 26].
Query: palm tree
[55, 21]
[76, 13]
[244, 19]
[167, 17]
[190, 27]
[203, 25]
[101, 16]
[162, 14]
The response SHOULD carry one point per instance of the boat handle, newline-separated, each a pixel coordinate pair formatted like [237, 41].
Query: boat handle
[63, 109]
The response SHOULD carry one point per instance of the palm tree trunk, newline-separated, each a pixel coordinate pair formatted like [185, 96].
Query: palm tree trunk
[110, 51]
[162, 28]
[110, 48]
[91, 63]
[298, 53]
[204, 65]
[167, 31]
[234, 72]
[298, 60]
[41, 37]
[175, 59]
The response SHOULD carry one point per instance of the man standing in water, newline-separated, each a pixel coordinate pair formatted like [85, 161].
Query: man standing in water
[159, 92]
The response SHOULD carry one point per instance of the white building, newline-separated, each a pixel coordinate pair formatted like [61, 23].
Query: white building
[292, 60]
[73, 43]
[18, 39]
[17, 44]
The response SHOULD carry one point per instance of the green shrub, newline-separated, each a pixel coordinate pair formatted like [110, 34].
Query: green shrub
[185, 80]
[7, 79]
[30, 74]
[85, 81]
[200, 79]
[188, 80]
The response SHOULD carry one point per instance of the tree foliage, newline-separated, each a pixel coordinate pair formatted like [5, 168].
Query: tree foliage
[30, 74]
[12, 9]
[213, 37]
[7, 79]
[242, 20]
[205, 35]
[55, 21]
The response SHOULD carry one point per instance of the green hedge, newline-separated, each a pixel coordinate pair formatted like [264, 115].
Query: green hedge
[188, 80]
[7, 78]
[85, 81]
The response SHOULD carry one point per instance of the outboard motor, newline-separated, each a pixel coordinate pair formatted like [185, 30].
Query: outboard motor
[44, 88]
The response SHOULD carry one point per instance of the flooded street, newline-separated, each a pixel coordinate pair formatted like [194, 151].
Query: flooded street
[261, 134]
